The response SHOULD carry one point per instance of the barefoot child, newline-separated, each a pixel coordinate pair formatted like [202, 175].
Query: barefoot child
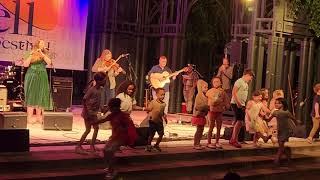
[156, 112]
[91, 106]
[315, 113]
[255, 112]
[283, 117]
[218, 102]
[200, 111]
[123, 133]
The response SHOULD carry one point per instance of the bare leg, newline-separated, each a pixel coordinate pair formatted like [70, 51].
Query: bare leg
[211, 127]
[150, 138]
[236, 131]
[39, 115]
[30, 114]
[159, 140]
[280, 152]
[219, 124]
[198, 135]
[85, 134]
[94, 137]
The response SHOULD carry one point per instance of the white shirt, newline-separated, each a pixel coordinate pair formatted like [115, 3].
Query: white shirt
[126, 102]
[242, 92]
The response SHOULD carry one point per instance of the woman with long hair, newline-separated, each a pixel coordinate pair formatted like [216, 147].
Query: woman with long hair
[36, 84]
[106, 64]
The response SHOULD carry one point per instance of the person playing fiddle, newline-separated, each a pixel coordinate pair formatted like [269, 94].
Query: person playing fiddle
[106, 64]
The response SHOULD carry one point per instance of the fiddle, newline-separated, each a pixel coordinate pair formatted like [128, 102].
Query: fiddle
[111, 63]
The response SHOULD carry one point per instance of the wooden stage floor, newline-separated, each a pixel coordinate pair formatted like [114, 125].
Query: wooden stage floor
[178, 128]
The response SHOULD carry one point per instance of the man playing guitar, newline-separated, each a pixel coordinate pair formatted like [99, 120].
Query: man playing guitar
[159, 76]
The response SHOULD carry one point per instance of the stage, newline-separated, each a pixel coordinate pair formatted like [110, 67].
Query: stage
[178, 128]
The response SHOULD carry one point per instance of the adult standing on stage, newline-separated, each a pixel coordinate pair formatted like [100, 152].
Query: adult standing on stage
[189, 80]
[36, 84]
[225, 72]
[160, 68]
[106, 64]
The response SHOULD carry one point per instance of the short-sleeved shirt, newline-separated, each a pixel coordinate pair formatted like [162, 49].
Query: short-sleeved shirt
[242, 93]
[156, 110]
[126, 102]
[91, 103]
[158, 69]
[316, 99]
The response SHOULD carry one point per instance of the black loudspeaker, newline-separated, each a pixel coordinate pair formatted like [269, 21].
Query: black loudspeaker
[62, 88]
[57, 121]
[13, 120]
[14, 140]
[143, 134]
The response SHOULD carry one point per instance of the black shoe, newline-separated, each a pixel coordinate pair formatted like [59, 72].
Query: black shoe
[157, 148]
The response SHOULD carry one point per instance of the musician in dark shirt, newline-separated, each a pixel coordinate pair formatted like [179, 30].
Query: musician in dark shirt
[160, 68]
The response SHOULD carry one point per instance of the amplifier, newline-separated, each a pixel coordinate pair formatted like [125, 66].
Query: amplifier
[62, 89]
[13, 120]
[62, 82]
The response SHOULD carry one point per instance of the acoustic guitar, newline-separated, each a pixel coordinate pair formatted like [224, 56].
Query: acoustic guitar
[159, 80]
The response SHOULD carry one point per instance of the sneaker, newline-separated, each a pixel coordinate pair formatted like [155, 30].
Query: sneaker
[148, 148]
[80, 150]
[157, 148]
[211, 146]
[218, 146]
[198, 147]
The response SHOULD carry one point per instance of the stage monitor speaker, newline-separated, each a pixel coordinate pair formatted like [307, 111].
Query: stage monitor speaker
[62, 88]
[14, 140]
[13, 120]
[58, 121]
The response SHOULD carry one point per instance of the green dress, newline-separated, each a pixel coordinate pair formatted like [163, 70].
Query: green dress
[36, 86]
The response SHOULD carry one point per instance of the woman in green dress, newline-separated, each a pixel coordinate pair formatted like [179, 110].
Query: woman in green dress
[36, 85]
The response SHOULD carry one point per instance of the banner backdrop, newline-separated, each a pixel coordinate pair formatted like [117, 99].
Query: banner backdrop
[60, 23]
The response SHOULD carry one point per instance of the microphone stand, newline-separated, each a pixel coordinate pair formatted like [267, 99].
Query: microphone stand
[195, 70]
[131, 74]
[51, 87]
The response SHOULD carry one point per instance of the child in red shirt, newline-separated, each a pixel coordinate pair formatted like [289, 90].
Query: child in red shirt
[123, 133]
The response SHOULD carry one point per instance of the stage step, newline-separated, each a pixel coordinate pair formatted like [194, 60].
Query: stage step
[179, 162]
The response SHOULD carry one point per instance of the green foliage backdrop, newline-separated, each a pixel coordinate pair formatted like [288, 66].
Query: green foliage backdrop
[312, 8]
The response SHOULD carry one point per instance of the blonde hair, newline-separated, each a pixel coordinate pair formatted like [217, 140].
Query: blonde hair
[278, 94]
[316, 88]
[105, 53]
